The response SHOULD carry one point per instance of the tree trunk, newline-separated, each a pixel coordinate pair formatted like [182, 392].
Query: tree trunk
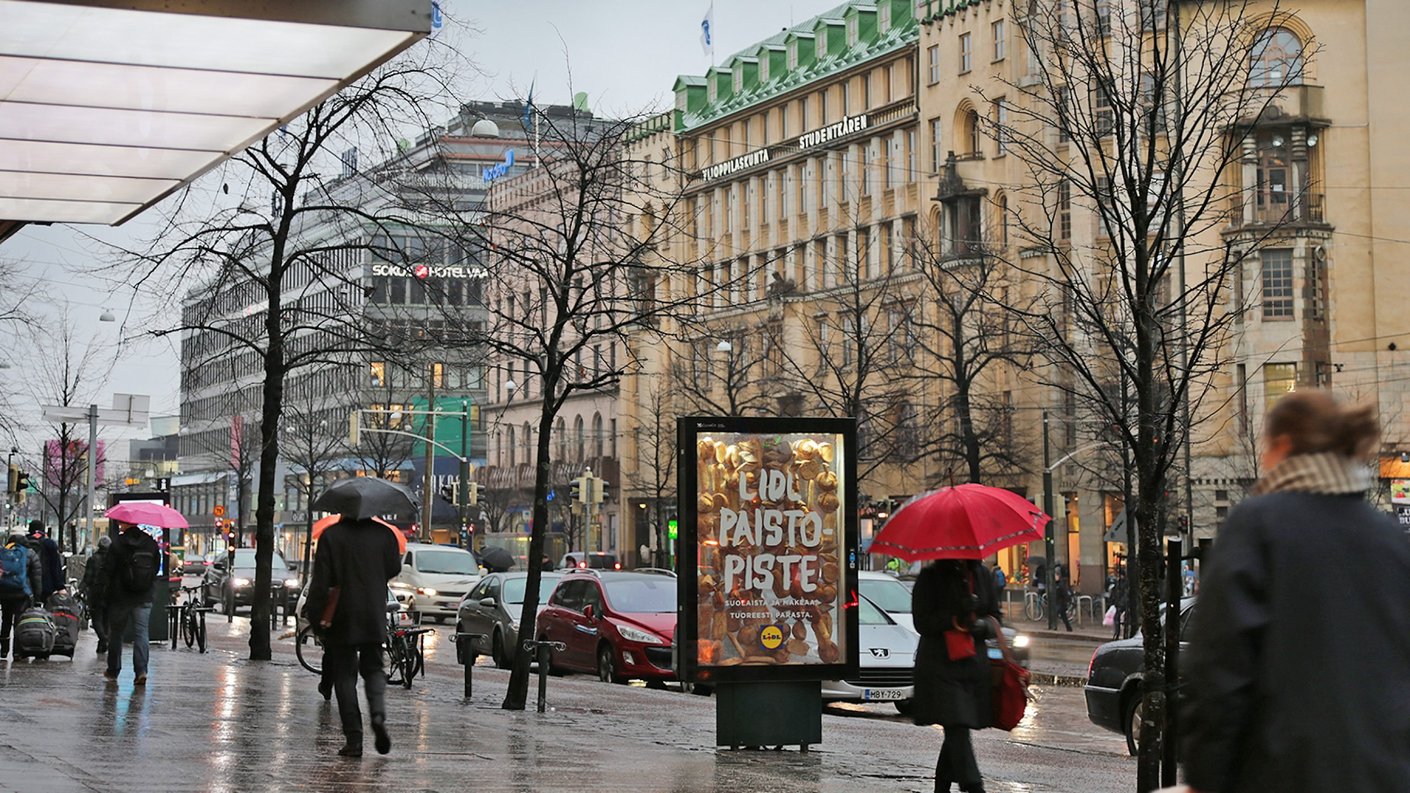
[517, 695]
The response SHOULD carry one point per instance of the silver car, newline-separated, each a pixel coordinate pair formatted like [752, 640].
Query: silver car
[886, 669]
[491, 611]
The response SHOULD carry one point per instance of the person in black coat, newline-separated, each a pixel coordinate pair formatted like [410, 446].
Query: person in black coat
[1298, 672]
[50, 557]
[954, 595]
[347, 599]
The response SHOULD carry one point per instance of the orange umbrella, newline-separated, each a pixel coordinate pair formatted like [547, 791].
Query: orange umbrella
[323, 523]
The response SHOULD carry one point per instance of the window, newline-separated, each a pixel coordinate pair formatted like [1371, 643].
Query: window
[1316, 286]
[803, 112]
[820, 45]
[911, 149]
[975, 135]
[1063, 100]
[867, 156]
[822, 107]
[1003, 207]
[1102, 112]
[1279, 379]
[852, 30]
[966, 52]
[935, 156]
[598, 438]
[1103, 17]
[764, 68]
[1064, 210]
[1001, 125]
[1277, 283]
[932, 55]
[1001, 45]
[883, 17]
[739, 79]
[846, 97]
[1152, 14]
[1274, 176]
[1276, 59]
[792, 54]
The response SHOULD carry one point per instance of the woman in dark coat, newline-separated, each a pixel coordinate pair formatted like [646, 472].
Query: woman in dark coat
[955, 694]
[1298, 671]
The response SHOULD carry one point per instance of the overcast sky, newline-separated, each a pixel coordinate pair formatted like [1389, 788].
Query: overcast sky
[624, 54]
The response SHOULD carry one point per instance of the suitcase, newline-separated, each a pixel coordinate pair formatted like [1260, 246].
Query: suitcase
[34, 634]
[65, 612]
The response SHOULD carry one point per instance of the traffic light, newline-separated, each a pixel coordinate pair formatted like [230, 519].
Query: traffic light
[672, 527]
[21, 483]
[602, 492]
[577, 497]
[472, 494]
[14, 478]
[448, 493]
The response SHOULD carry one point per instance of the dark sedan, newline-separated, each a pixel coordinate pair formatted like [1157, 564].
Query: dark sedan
[1114, 681]
[492, 610]
[223, 584]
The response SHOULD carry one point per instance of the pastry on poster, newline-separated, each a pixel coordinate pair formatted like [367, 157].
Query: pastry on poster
[770, 529]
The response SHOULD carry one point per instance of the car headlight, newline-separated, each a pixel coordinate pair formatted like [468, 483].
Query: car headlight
[634, 635]
[239, 582]
[1020, 641]
[425, 590]
[291, 583]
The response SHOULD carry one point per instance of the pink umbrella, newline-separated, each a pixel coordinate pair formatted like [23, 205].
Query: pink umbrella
[147, 514]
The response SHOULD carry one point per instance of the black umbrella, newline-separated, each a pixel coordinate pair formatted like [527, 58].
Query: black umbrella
[365, 497]
[496, 559]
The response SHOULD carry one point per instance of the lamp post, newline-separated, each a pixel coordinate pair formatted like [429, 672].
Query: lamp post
[465, 468]
[1048, 539]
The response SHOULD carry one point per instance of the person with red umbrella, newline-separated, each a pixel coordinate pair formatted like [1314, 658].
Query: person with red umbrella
[956, 610]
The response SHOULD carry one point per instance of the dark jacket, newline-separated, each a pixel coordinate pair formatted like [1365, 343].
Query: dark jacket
[359, 558]
[952, 693]
[120, 559]
[34, 567]
[53, 562]
[95, 577]
[1299, 662]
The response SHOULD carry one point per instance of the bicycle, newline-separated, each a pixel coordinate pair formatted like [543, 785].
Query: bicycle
[1035, 606]
[406, 657]
[188, 619]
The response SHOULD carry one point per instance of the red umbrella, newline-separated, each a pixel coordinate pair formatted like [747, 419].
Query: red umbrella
[147, 514]
[963, 522]
[323, 523]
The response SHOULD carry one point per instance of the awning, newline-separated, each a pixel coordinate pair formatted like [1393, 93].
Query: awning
[107, 106]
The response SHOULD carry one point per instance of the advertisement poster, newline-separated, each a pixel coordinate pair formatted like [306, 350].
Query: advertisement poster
[768, 573]
[1400, 491]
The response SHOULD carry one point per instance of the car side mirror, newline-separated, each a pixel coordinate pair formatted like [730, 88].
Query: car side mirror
[487, 602]
[588, 611]
[393, 608]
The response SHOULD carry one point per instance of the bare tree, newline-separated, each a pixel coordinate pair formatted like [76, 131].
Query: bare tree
[719, 373]
[1133, 114]
[278, 262]
[382, 454]
[313, 433]
[653, 478]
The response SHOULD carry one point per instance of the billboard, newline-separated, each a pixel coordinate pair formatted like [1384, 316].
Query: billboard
[767, 562]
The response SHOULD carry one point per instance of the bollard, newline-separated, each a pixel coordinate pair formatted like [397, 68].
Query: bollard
[464, 654]
[543, 675]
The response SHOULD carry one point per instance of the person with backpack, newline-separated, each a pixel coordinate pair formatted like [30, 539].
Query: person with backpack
[50, 558]
[21, 575]
[132, 565]
[95, 590]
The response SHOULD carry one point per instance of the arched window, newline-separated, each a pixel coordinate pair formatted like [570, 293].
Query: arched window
[499, 447]
[528, 445]
[597, 436]
[513, 448]
[972, 130]
[580, 438]
[560, 434]
[1002, 226]
[1275, 59]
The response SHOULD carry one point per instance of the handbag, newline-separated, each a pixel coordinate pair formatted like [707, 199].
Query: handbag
[959, 644]
[1109, 619]
[1009, 698]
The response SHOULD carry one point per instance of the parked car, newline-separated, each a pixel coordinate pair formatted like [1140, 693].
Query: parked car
[893, 596]
[592, 560]
[434, 578]
[617, 624]
[196, 565]
[492, 610]
[887, 660]
[223, 584]
[1113, 689]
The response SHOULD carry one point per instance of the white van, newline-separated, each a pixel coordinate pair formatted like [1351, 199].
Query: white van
[434, 578]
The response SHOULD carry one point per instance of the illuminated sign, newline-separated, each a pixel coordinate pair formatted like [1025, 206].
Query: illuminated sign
[495, 171]
[423, 271]
[768, 563]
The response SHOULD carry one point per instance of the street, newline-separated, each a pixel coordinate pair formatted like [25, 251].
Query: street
[219, 722]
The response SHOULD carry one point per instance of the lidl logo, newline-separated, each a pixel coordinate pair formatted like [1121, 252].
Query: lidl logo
[771, 637]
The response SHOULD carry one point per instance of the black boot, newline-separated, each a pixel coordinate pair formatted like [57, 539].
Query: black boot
[325, 687]
[352, 747]
[381, 739]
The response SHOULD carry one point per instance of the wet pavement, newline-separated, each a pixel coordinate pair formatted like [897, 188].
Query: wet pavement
[220, 723]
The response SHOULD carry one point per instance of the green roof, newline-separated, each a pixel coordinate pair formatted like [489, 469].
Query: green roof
[904, 31]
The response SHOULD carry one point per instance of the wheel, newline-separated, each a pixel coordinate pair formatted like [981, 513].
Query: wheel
[415, 662]
[606, 665]
[904, 707]
[199, 629]
[397, 662]
[497, 653]
[309, 650]
[1033, 609]
[188, 627]
[1132, 713]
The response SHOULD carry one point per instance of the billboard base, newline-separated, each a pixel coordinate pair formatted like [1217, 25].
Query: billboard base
[768, 714]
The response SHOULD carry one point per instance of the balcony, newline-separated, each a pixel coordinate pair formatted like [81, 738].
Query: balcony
[1291, 209]
[1274, 106]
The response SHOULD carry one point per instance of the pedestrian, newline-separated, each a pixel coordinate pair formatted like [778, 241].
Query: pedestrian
[50, 558]
[347, 600]
[132, 565]
[21, 575]
[1118, 597]
[95, 590]
[1062, 596]
[955, 612]
[1298, 670]
[1001, 585]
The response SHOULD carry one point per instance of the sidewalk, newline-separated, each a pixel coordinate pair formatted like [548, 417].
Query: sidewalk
[219, 722]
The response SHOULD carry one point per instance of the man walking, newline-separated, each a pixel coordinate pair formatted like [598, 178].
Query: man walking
[50, 558]
[132, 564]
[20, 578]
[95, 590]
[347, 599]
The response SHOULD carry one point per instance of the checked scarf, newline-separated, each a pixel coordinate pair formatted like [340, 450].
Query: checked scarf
[1325, 472]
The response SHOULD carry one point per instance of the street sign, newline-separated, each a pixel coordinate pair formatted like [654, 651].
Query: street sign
[219, 511]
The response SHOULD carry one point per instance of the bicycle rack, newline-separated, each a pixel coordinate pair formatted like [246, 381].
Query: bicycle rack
[469, 667]
[540, 650]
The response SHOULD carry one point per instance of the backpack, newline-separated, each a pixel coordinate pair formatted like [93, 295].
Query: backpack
[140, 562]
[14, 570]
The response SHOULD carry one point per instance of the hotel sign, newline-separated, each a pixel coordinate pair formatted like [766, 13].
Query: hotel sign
[423, 271]
[847, 126]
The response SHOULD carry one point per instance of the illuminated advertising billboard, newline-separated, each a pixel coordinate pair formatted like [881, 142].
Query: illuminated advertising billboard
[767, 566]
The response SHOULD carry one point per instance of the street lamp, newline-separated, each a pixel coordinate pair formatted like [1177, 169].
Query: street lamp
[107, 316]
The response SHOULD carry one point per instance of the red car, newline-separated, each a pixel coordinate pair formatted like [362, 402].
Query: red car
[617, 624]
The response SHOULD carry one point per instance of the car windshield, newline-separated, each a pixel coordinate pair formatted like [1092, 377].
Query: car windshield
[514, 588]
[888, 594]
[245, 558]
[448, 562]
[869, 614]
[642, 595]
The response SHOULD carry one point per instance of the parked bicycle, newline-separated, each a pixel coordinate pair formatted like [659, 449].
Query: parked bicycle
[404, 649]
[188, 619]
[1035, 606]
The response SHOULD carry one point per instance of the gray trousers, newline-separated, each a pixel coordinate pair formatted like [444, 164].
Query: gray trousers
[343, 663]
